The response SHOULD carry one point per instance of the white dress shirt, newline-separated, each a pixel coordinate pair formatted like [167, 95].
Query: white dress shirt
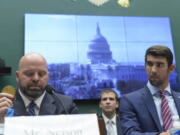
[157, 100]
[113, 120]
[37, 102]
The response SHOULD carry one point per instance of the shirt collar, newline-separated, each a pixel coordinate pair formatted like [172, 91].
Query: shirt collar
[154, 89]
[106, 119]
[38, 101]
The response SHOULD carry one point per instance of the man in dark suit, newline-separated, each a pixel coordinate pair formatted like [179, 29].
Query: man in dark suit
[33, 97]
[109, 103]
[142, 111]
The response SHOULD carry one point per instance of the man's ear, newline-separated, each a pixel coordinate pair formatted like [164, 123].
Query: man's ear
[172, 67]
[17, 76]
[100, 106]
[117, 104]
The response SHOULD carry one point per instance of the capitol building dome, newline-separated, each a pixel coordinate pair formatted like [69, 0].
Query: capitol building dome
[99, 50]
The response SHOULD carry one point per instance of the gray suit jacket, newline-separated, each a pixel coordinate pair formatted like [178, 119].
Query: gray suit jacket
[51, 105]
[139, 115]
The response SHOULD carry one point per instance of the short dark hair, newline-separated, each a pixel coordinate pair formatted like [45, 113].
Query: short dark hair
[109, 90]
[162, 51]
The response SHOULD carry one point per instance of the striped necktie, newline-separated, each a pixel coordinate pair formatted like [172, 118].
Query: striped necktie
[165, 112]
[31, 109]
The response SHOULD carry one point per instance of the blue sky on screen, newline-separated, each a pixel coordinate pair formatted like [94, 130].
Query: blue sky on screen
[65, 38]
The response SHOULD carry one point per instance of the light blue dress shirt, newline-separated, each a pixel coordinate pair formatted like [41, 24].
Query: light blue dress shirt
[157, 100]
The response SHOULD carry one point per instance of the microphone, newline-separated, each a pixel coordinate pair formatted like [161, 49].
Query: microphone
[49, 89]
[10, 90]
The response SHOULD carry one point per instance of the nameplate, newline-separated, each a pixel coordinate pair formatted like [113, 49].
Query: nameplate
[78, 124]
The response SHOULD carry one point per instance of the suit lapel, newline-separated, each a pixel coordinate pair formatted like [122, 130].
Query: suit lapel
[18, 105]
[149, 102]
[118, 125]
[48, 105]
[176, 97]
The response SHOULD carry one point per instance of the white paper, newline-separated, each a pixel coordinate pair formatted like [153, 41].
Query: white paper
[79, 124]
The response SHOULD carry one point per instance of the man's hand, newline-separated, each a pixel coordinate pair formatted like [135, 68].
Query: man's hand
[165, 133]
[5, 102]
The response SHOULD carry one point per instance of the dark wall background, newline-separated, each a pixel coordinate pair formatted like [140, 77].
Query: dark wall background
[12, 26]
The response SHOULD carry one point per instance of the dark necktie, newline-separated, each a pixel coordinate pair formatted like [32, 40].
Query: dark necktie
[31, 109]
[165, 112]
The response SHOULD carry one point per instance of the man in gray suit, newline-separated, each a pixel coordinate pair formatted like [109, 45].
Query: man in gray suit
[33, 97]
[109, 103]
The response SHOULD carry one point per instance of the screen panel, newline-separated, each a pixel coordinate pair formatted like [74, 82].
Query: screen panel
[87, 54]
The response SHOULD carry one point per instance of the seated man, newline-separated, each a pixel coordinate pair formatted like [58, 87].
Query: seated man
[32, 79]
[150, 110]
[109, 104]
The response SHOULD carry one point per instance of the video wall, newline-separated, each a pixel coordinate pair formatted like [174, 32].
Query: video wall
[87, 54]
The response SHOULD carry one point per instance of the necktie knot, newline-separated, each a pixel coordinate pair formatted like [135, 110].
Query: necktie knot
[31, 109]
[163, 93]
[110, 122]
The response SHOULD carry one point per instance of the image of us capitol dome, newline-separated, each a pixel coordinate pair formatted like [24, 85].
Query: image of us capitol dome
[99, 49]
[86, 81]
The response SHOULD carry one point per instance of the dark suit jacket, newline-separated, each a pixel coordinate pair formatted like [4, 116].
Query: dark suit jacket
[51, 105]
[138, 113]
[118, 125]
